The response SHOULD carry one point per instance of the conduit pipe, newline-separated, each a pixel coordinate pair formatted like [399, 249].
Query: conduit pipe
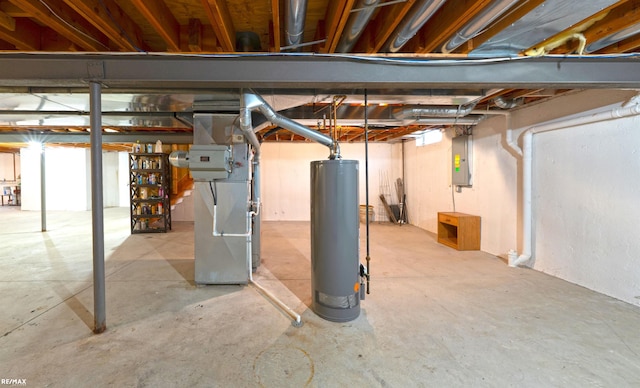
[252, 101]
[527, 157]
[356, 24]
[295, 13]
[412, 22]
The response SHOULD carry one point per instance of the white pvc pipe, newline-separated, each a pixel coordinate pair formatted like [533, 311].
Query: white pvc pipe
[527, 157]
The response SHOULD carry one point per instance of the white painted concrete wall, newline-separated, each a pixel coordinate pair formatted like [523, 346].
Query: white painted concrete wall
[123, 180]
[493, 195]
[286, 175]
[586, 191]
[68, 179]
[585, 206]
[9, 166]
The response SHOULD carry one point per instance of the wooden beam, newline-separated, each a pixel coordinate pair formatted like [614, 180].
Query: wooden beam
[450, 18]
[58, 16]
[336, 18]
[7, 21]
[194, 34]
[383, 26]
[12, 10]
[220, 19]
[162, 20]
[274, 27]
[109, 18]
[25, 35]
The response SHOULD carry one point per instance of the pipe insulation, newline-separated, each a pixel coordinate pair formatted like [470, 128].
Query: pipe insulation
[527, 163]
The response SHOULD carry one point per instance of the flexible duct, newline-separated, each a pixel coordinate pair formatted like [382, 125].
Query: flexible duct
[527, 168]
[477, 24]
[412, 22]
[356, 24]
[502, 103]
[295, 13]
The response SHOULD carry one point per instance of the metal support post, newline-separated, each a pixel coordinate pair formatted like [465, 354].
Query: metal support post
[97, 209]
[43, 190]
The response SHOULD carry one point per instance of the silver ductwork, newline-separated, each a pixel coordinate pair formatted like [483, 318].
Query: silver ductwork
[252, 101]
[295, 14]
[356, 24]
[417, 112]
[412, 22]
[246, 125]
[503, 103]
[478, 24]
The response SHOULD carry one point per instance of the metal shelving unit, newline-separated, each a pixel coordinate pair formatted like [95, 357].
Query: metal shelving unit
[150, 192]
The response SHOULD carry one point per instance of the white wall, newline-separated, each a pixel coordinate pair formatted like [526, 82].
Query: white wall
[9, 166]
[586, 191]
[286, 175]
[123, 180]
[68, 178]
[585, 204]
[493, 195]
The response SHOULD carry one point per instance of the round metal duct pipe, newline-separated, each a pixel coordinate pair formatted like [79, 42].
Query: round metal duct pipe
[179, 159]
[356, 24]
[413, 21]
[335, 284]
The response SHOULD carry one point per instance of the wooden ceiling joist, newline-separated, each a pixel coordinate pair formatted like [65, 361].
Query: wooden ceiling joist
[274, 27]
[25, 35]
[622, 15]
[220, 19]
[160, 17]
[336, 18]
[109, 18]
[383, 26]
[7, 21]
[58, 16]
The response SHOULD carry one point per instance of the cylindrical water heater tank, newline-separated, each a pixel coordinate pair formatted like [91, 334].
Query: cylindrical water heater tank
[334, 240]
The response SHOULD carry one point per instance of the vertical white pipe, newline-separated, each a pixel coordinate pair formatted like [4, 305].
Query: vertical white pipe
[527, 161]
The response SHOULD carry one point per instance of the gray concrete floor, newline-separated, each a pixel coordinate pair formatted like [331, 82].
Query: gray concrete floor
[435, 317]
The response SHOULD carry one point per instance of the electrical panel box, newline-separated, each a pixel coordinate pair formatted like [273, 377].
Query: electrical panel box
[461, 152]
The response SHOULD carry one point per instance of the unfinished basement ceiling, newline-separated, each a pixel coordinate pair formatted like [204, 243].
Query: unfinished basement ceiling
[373, 28]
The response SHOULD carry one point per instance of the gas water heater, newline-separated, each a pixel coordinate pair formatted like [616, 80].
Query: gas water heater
[335, 279]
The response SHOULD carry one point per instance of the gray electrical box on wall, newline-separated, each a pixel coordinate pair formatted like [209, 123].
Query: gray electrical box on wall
[461, 152]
